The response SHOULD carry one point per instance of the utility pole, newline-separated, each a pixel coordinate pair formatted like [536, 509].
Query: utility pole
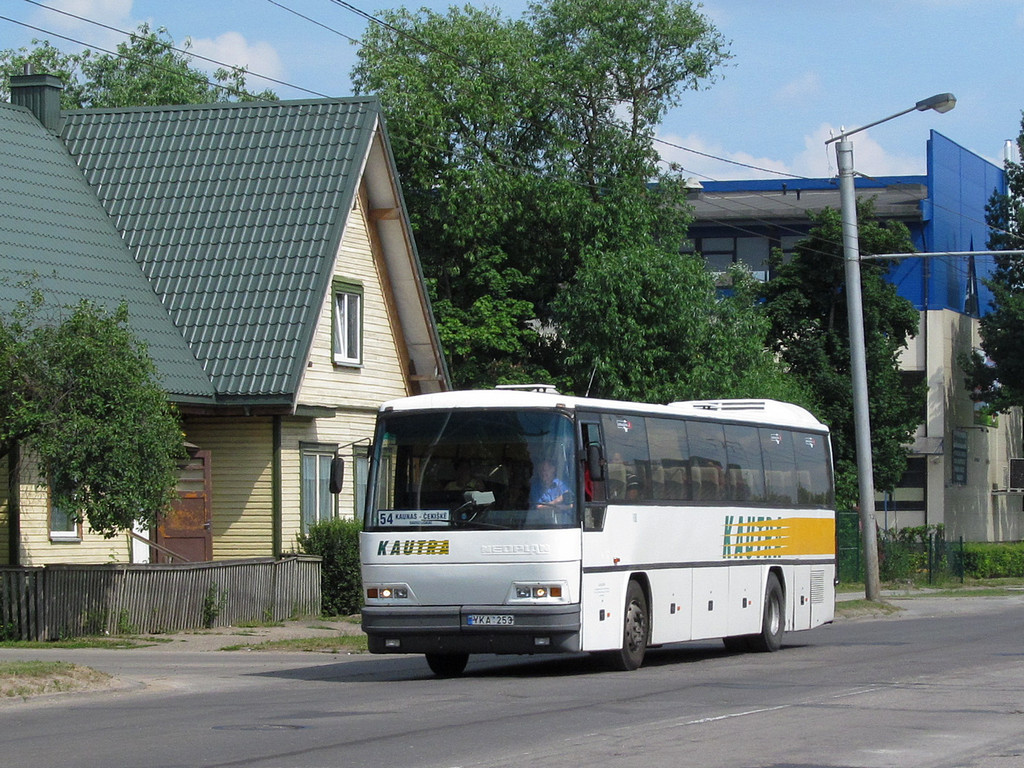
[942, 102]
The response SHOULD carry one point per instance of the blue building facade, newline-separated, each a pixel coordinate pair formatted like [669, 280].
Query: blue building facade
[960, 184]
[958, 467]
[944, 210]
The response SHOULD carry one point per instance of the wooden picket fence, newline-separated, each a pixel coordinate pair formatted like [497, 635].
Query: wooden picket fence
[56, 601]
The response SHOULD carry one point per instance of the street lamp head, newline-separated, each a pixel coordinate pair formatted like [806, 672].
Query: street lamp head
[940, 102]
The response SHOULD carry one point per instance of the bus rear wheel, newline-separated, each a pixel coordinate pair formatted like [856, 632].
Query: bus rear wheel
[636, 631]
[773, 621]
[447, 664]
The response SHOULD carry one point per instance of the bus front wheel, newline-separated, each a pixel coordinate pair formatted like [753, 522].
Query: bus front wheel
[636, 631]
[447, 664]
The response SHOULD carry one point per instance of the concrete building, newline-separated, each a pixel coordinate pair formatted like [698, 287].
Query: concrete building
[958, 473]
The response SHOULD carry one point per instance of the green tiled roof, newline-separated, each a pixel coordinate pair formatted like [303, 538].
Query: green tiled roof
[52, 226]
[235, 213]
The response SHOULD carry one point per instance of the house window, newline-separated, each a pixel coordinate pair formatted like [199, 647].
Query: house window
[64, 526]
[317, 501]
[348, 324]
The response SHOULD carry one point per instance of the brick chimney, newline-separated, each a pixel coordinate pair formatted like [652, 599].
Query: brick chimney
[41, 94]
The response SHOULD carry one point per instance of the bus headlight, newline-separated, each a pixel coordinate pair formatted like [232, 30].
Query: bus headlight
[388, 592]
[548, 593]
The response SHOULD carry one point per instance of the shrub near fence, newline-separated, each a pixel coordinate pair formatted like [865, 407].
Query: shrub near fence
[336, 541]
[920, 554]
[70, 600]
[994, 561]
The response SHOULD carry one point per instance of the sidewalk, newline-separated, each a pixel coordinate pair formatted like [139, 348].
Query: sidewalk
[909, 603]
[221, 637]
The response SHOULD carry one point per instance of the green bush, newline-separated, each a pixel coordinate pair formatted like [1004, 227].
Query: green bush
[337, 542]
[993, 561]
[907, 553]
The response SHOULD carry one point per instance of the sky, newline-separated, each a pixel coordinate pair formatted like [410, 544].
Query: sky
[800, 70]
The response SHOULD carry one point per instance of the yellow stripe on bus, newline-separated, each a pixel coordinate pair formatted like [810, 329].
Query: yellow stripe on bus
[786, 536]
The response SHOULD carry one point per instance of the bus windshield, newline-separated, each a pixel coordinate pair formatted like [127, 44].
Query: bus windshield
[476, 469]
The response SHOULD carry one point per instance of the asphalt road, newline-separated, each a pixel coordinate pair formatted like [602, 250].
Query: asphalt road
[940, 686]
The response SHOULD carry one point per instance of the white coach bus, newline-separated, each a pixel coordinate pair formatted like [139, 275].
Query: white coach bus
[513, 521]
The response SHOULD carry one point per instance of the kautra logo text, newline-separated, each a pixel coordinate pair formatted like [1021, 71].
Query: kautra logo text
[388, 548]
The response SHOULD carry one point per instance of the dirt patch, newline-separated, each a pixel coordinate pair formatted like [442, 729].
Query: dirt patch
[22, 679]
[326, 631]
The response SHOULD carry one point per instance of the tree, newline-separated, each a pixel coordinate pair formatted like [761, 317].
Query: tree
[526, 151]
[81, 395]
[806, 303]
[997, 376]
[146, 70]
[643, 324]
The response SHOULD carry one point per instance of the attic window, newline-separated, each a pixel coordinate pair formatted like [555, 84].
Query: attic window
[347, 336]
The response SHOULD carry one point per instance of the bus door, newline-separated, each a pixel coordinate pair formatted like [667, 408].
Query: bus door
[594, 474]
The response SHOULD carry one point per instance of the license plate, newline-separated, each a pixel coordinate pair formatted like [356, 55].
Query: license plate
[490, 620]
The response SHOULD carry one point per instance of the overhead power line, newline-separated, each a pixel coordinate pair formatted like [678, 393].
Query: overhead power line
[376, 20]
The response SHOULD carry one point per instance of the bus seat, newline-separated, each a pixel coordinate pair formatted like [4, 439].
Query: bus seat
[657, 481]
[616, 480]
[676, 485]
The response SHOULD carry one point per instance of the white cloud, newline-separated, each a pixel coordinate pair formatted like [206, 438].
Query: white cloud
[74, 21]
[801, 88]
[706, 160]
[233, 49]
[106, 11]
[711, 161]
[869, 157]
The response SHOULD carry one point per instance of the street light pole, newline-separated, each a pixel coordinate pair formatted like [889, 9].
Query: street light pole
[942, 102]
[858, 368]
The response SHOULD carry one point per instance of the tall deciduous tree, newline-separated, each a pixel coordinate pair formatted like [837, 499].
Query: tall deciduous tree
[526, 153]
[80, 394]
[997, 377]
[806, 301]
[643, 324]
[146, 70]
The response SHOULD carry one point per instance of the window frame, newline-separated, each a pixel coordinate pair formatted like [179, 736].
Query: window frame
[72, 533]
[323, 454]
[341, 319]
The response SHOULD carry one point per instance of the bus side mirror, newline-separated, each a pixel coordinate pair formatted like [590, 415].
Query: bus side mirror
[595, 462]
[337, 474]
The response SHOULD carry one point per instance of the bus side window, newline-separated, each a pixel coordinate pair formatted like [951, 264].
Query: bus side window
[779, 466]
[744, 474]
[812, 470]
[670, 477]
[628, 457]
[707, 460]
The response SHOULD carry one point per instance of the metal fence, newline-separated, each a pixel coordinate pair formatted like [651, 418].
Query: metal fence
[918, 555]
[54, 601]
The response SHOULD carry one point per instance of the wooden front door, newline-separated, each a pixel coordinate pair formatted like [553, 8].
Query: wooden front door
[186, 529]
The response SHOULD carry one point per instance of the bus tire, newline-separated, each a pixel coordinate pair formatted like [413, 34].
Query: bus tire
[773, 620]
[447, 664]
[636, 631]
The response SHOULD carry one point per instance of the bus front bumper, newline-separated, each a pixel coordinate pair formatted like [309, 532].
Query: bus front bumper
[472, 629]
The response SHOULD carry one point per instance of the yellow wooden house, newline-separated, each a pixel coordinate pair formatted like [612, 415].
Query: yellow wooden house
[266, 257]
